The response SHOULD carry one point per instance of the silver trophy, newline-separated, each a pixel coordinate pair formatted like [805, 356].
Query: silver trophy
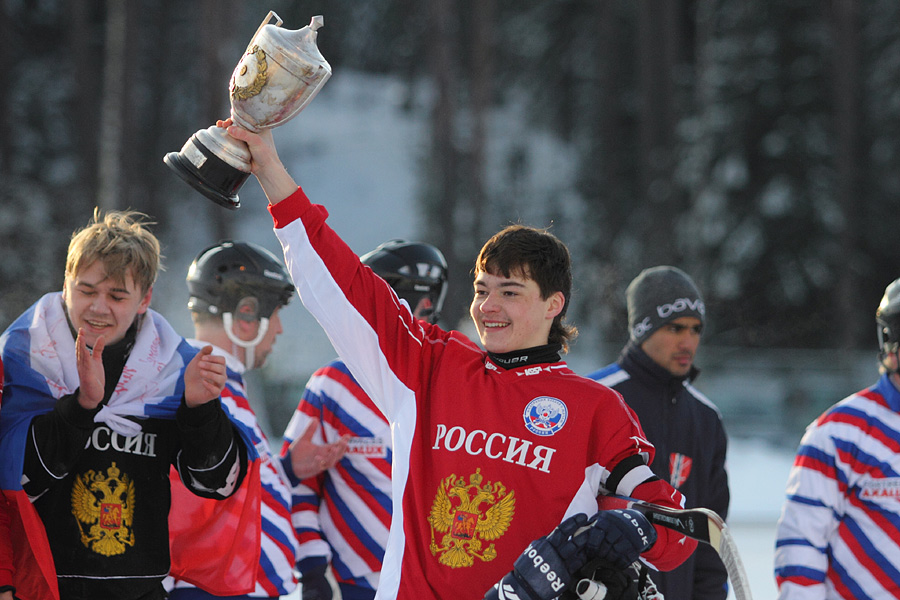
[279, 74]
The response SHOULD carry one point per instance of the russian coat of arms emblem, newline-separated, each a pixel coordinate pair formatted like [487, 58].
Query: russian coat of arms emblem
[466, 516]
[103, 505]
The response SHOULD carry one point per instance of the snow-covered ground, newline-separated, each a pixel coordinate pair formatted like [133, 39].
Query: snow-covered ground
[757, 473]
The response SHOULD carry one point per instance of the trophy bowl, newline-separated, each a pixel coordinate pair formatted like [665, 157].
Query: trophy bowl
[279, 74]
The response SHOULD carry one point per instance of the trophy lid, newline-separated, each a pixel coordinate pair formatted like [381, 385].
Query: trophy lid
[295, 50]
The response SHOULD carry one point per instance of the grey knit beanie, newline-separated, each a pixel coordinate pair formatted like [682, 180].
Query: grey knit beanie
[659, 295]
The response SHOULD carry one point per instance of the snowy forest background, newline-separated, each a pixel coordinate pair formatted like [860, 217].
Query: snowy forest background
[754, 144]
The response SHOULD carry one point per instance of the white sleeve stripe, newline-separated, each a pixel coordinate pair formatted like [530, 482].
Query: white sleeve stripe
[632, 479]
[218, 464]
[389, 582]
[614, 379]
[350, 334]
[702, 398]
[585, 499]
[41, 459]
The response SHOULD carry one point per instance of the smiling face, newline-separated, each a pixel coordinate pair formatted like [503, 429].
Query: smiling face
[537, 260]
[674, 345]
[100, 305]
[510, 314]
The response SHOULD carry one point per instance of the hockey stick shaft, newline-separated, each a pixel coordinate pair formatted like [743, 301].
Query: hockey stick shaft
[701, 524]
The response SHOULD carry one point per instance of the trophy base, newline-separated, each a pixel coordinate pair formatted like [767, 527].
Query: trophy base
[207, 173]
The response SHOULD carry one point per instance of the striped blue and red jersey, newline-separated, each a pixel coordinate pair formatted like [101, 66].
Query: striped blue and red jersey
[343, 515]
[839, 531]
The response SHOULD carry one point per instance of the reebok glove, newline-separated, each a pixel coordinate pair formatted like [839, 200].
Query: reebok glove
[618, 537]
[546, 567]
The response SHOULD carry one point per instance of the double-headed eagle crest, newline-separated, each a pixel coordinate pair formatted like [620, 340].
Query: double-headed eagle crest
[468, 514]
[103, 503]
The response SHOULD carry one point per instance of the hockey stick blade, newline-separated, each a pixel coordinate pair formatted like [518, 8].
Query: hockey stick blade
[701, 524]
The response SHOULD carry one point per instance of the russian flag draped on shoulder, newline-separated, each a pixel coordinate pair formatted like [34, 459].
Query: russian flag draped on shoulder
[38, 352]
[230, 530]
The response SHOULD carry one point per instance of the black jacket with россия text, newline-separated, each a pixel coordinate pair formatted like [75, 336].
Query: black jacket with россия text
[104, 497]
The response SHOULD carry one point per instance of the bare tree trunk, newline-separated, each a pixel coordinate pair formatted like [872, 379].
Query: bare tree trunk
[604, 173]
[658, 36]
[151, 121]
[86, 118]
[109, 194]
[845, 26]
[6, 54]
[217, 23]
[482, 93]
[444, 162]
[137, 138]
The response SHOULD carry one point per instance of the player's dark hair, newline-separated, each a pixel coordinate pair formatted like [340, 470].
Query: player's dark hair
[538, 255]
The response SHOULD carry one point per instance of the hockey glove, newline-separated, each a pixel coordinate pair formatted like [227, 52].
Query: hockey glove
[546, 567]
[314, 585]
[618, 537]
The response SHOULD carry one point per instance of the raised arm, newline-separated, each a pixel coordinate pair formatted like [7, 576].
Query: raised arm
[376, 336]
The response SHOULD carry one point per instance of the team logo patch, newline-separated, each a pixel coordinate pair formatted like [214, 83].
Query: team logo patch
[545, 415]
[465, 515]
[103, 503]
[679, 469]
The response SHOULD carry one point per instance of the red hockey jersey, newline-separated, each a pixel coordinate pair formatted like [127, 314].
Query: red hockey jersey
[485, 459]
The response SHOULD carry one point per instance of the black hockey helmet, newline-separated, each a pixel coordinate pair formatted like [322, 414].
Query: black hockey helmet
[414, 270]
[224, 275]
[887, 319]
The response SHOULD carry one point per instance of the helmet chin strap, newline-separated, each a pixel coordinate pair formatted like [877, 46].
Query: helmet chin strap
[248, 346]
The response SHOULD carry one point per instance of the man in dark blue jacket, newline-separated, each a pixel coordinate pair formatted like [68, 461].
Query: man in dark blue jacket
[654, 373]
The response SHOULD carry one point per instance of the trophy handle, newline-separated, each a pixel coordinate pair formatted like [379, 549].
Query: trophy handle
[265, 22]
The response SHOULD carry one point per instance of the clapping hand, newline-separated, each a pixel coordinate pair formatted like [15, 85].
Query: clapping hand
[204, 378]
[91, 374]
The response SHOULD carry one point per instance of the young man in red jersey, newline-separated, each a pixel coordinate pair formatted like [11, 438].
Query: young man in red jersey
[492, 447]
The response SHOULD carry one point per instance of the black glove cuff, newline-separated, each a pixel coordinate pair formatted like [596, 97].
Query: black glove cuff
[532, 593]
[315, 572]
